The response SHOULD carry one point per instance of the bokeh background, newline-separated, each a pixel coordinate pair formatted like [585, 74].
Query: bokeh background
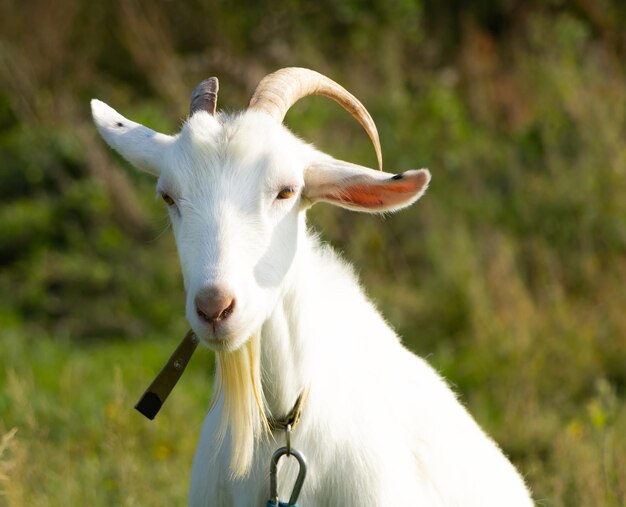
[509, 275]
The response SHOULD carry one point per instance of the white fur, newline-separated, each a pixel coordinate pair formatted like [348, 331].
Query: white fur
[379, 426]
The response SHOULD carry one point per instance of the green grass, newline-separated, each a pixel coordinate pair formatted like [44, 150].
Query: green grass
[69, 433]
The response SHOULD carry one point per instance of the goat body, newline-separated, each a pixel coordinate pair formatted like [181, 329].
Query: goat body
[287, 316]
[379, 426]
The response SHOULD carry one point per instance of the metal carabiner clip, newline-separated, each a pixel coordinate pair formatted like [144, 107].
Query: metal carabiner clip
[274, 502]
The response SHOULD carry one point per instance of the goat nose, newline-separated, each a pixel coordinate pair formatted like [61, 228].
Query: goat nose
[214, 304]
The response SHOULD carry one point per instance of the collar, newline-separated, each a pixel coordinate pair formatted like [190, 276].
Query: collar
[153, 398]
[292, 418]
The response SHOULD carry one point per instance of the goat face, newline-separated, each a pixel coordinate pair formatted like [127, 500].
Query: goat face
[235, 187]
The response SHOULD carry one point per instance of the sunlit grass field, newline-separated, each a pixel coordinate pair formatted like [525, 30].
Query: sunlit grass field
[69, 434]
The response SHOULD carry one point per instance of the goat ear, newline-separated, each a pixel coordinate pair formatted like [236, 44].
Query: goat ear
[139, 145]
[359, 188]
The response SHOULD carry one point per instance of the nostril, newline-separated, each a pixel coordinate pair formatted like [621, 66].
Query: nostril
[214, 305]
[202, 315]
[226, 312]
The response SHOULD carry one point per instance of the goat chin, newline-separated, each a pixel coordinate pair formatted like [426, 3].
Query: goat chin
[238, 380]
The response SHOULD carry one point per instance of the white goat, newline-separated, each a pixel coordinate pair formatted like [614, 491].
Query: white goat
[288, 319]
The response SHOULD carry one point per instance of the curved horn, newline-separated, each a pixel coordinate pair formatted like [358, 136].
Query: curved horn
[277, 92]
[204, 97]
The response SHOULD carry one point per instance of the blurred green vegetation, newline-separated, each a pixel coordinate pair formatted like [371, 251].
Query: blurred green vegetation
[509, 275]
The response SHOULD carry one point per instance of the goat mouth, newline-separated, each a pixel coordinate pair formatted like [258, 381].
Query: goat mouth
[210, 331]
[219, 340]
[225, 335]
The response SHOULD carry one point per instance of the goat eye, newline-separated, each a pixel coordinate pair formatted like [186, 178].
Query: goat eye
[286, 193]
[168, 200]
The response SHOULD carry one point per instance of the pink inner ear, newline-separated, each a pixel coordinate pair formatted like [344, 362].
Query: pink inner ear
[375, 196]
